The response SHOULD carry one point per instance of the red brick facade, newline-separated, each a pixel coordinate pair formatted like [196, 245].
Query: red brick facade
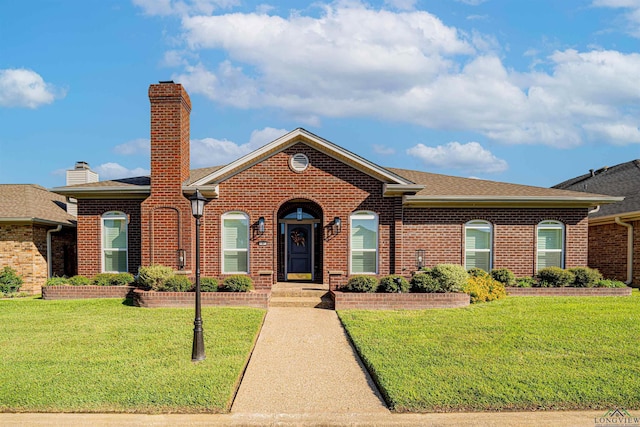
[608, 250]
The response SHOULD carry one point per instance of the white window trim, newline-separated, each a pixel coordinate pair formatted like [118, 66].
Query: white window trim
[364, 215]
[233, 215]
[114, 215]
[551, 225]
[479, 224]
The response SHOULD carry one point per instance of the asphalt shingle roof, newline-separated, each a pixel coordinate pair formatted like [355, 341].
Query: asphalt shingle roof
[33, 202]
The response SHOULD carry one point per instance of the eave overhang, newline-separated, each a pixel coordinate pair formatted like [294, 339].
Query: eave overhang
[506, 201]
[393, 190]
[133, 192]
[38, 221]
[611, 219]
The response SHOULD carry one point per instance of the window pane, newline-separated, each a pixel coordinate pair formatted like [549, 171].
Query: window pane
[549, 238]
[235, 233]
[479, 260]
[478, 238]
[115, 261]
[549, 259]
[364, 234]
[363, 262]
[113, 234]
[235, 262]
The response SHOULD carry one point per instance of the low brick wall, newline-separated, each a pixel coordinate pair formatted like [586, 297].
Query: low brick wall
[568, 292]
[406, 301]
[152, 299]
[81, 292]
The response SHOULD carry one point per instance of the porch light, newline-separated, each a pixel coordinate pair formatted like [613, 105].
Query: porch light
[261, 225]
[337, 225]
[181, 257]
[197, 204]
[197, 208]
[419, 259]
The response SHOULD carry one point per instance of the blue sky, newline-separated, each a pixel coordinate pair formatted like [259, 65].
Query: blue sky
[527, 91]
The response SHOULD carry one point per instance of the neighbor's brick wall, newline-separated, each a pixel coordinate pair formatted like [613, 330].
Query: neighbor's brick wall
[440, 232]
[608, 251]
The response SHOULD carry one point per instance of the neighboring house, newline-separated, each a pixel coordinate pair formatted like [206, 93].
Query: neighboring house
[614, 230]
[37, 235]
[304, 209]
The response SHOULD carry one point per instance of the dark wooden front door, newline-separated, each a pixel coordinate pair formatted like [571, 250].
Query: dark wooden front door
[299, 252]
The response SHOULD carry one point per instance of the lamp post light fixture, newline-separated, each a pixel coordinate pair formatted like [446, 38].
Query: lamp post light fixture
[419, 259]
[197, 209]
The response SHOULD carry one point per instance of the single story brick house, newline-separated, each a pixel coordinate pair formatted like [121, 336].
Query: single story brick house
[37, 235]
[302, 208]
[614, 230]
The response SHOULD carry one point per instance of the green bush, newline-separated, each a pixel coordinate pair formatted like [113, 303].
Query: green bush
[361, 284]
[476, 272]
[113, 279]
[554, 277]
[79, 281]
[237, 283]
[10, 281]
[504, 276]
[606, 283]
[57, 281]
[154, 276]
[393, 284]
[525, 282]
[208, 284]
[484, 289]
[585, 277]
[176, 283]
[424, 282]
[450, 277]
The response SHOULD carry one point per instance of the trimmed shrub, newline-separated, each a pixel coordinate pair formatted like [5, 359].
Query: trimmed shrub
[554, 277]
[57, 281]
[504, 276]
[113, 279]
[176, 283]
[585, 277]
[10, 281]
[484, 289]
[424, 282]
[450, 277]
[361, 284]
[476, 272]
[79, 281]
[237, 283]
[606, 283]
[154, 276]
[525, 282]
[208, 284]
[393, 284]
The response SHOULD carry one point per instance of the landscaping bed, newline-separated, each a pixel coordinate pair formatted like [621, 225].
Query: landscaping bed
[568, 292]
[406, 301]
[153, 299]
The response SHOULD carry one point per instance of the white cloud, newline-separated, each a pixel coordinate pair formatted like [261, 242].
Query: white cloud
[183, 7]
[469, 157]
[216, 152]
[620, 133]
[20, 87]
[631, 14]
[383, 150]
[107, 171]
[401, 4]
[136, 146]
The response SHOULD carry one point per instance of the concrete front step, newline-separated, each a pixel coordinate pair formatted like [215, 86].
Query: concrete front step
[300, 293]
[298, 301]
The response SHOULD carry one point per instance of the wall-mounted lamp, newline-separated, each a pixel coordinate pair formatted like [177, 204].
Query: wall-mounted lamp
[419, 259]
[261, 225]
[182, 255]
[337, 225]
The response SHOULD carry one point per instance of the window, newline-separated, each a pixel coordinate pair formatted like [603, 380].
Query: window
[235, 243]
[550, 244]
[114, 242]
[477, 245]
[364, 243]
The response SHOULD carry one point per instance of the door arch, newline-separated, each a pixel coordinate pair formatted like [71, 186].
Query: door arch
[300, 241]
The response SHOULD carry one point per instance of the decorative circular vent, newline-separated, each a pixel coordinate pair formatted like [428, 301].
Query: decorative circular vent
[299, 162]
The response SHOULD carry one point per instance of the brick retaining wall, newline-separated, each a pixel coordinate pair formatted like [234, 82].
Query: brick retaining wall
[152, 299]
[406, 301]
[568, 292]
[81, 292]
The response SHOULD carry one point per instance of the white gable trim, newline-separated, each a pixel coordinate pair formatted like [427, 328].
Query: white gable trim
[306, 137]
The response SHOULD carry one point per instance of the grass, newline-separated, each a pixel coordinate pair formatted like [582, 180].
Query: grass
[513, 354]
[105, 356]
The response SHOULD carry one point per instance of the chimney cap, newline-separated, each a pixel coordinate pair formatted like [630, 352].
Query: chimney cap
[82, 165]
[164, 82]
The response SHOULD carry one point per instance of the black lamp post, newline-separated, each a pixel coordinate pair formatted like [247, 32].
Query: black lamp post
[197, 209]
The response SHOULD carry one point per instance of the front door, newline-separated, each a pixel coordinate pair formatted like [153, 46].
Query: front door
[299, 250]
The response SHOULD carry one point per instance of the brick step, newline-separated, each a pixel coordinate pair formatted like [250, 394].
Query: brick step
[317, 302]
[300, 293]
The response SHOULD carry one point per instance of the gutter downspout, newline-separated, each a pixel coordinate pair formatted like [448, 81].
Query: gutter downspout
[629, 249]
[49, 266]
[596, 209]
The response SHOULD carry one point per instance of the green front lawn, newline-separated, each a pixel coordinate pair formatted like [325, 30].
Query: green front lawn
[514, 354]
[104, 356]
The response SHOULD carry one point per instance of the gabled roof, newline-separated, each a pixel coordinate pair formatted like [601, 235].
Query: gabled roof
[33, 204]
[619, 180]
[306, 137]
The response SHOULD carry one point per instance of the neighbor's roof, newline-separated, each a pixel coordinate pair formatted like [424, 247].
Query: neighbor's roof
[619, 180]
[33, 203]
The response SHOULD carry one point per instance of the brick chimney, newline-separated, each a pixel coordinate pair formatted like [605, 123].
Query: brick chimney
[166, 213]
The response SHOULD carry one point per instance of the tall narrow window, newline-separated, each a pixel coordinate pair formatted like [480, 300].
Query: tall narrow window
[550, 244]
[114, 242]
[235, 243]
[477, 245]
[364, 243]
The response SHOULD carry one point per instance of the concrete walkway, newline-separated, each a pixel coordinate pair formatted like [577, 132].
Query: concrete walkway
[303, 363]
